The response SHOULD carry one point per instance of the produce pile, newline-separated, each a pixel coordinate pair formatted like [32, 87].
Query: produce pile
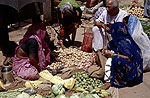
[80, 82]
[146, 25]
[19, 93]
[11, 93]
[84, 81]
[26, 95]
[69, 57]
[136, 11]
[58, 92]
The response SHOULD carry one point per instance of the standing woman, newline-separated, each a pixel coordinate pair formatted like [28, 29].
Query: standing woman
[126, 65]
[70, 19]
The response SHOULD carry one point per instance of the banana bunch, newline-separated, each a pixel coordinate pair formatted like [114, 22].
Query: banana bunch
[33, 83]
[101, 93]
[1, 86]
[104, 94]
[68, 83]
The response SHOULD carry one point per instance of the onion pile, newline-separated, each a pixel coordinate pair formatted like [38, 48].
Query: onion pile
[136, 11]
[71, 57]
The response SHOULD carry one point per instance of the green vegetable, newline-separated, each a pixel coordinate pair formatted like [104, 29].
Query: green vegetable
[58, 89]
[81, 95]
[105, 93]
[61, 96]
[23, 95]
[125, 5]
[146, 25]
[75, 95]
[89, 96]
[50, 95]
[83, 81]
[36, 96]
[11, 93]
[95, 96]
[73, 2]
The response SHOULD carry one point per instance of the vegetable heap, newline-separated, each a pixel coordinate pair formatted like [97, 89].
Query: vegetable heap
[58, 92]
[146, 25]
[26, 95]
[93, 94]
[11, 93]
[70, 56]
[58, 89]
[85, 82]
[136, 11]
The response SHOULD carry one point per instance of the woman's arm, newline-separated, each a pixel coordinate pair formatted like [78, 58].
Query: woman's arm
[34, 61]
[109, 54]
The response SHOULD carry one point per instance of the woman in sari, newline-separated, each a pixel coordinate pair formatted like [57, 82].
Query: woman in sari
[32, 55]
[135, 29]
[126, 65]
[69, 16]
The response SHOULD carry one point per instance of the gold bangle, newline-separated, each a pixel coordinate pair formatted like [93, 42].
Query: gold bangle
[112, 55]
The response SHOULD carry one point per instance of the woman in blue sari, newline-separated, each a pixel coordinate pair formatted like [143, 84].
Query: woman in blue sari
[126, 65]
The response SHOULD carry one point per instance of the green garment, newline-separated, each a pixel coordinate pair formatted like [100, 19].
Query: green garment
[73, 2]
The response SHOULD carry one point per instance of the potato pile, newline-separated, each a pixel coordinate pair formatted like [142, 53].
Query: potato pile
[136, 11]
[71, 56]
[56, 65]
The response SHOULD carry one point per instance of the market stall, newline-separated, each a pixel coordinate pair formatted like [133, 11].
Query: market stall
[64, 79]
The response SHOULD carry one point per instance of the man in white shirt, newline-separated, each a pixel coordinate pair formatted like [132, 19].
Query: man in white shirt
[112, 14]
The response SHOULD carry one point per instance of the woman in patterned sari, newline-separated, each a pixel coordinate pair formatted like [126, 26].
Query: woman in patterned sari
[126, 65]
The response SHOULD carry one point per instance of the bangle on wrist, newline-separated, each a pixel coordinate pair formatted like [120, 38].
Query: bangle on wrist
[112, 55]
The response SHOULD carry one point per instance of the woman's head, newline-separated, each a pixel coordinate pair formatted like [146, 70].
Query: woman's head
[112, 7]
[133, 24]
[119, 30]
[67, 9]
[125, 20]
[36, 19]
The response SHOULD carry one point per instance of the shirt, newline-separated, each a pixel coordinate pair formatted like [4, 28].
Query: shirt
[30, 46]
[105, 17]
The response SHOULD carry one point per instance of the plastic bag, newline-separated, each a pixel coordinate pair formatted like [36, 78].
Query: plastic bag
[87, 42]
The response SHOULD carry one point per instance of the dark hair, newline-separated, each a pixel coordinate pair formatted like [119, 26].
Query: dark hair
[104, 3]
[126, 18]
[36, 19]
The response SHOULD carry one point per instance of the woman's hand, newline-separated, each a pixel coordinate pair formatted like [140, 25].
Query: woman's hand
[105, 48]
[108, 53]
[107, 29]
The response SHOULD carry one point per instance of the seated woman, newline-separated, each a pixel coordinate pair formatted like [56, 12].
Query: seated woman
[32, 55]
[126, 65]
[135, 29]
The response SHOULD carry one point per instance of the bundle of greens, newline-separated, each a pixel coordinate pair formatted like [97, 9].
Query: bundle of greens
[146, 25]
